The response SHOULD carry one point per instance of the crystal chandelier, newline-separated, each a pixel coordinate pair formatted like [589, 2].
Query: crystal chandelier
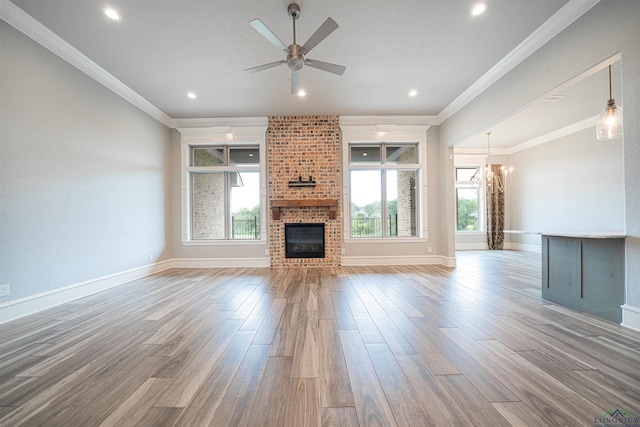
[489, 179]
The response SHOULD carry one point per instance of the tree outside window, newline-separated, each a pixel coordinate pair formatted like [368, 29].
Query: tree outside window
[467, 200]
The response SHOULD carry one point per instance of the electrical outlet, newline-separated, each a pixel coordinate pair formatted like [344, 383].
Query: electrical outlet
[4, 290]
[429, 249]
[266, 251]
[150, 257]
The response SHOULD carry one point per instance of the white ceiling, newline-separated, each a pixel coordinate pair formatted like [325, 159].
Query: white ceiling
[163, 49]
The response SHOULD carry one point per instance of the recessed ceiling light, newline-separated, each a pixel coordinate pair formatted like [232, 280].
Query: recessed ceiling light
[413, 92]
[111, 13]
[479, 9]
[302, 93]
[192, 95]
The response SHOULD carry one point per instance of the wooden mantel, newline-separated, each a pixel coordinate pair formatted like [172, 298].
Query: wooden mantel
[332, 204]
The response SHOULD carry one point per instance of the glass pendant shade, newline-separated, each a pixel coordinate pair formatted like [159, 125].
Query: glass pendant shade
[610, 122]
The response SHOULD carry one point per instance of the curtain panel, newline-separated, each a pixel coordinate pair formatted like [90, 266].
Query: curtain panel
[495, 210]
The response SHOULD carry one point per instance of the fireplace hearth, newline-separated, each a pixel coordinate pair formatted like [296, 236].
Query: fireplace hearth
[304, 240]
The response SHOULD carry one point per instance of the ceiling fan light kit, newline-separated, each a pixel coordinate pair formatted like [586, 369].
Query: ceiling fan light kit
[296, 59]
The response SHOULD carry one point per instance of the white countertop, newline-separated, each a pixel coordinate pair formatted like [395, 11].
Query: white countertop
[575, 234]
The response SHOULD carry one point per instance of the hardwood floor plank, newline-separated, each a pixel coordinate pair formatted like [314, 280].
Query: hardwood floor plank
[339, 417]
[134, 408]
[518, 414]
[270, 403]
[203, 397]
[366, 326]
[334, 385]
[306, 356]
[426, 349]
[303, 404]
[371, 403]
[402, 398]
[443, 409]
[344, 317]
[266, 333]
[477, 409]
[241, 393]
[194, 372]
[391, 334]
[284, 343]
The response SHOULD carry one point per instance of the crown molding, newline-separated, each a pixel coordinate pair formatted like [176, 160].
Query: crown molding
[570, 12]
[26, 24]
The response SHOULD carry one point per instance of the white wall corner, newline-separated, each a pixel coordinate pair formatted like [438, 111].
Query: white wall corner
[631, 317]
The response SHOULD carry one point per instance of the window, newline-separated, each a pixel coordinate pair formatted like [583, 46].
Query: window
[224, 186]
[467, 200]
[382, 190]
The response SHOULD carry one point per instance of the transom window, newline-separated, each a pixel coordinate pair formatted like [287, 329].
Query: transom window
[383, 190]
[224, 185]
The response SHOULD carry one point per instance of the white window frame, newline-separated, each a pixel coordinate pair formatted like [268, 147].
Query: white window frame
[471, 159]
[396, 130]
[383, 168]
[468, 185]
[232, 133]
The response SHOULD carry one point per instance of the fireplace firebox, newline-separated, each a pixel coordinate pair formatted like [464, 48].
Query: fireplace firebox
[304, 240]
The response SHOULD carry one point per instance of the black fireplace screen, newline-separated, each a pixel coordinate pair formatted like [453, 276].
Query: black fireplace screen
[305, 240]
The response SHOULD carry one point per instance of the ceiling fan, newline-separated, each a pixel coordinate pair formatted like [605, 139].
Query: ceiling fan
[295, 53]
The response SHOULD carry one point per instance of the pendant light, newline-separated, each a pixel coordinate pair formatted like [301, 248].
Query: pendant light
[610, 121]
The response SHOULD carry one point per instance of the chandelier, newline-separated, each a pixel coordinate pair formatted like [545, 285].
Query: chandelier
[492, 179]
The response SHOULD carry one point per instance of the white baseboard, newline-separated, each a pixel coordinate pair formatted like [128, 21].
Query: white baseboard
[398, 260]
[631, 316]
[471, 246]
[220, 262]
[32, 304]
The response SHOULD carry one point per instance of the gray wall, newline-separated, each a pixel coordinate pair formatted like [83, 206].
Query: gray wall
[572, 184]
[83, 175]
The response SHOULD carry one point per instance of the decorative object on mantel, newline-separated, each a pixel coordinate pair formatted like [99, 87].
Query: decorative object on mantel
[301, 183]
[610, 120]
[332, 204]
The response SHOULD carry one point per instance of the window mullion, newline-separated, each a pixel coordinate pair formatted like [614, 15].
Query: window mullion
[383, 208]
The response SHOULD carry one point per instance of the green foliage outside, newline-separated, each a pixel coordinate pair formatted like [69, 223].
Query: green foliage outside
[245, 213]
[246, 223]
[366, 221]
[467, 214]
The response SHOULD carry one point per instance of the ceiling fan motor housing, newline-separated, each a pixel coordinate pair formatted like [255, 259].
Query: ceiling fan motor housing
[295, 61]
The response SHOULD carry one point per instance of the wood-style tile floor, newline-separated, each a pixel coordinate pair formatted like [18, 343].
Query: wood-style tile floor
[368, 346]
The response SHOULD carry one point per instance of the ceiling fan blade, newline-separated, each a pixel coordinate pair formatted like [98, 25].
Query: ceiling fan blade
[321, 33]
[295, 82]
[264, 66]
[325, 66]
[267, 34]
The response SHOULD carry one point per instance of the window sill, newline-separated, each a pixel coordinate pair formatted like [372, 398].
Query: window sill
[223, 242]
[369, 240]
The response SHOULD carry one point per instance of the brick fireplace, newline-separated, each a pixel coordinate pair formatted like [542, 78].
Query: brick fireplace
[304, 183]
